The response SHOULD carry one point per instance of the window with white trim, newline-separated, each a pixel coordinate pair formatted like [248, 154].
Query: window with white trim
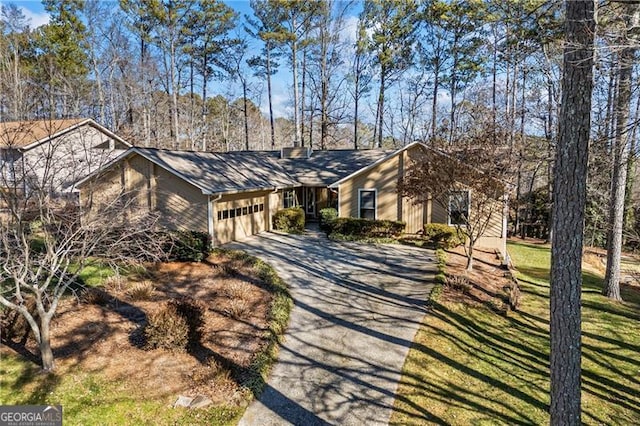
[459, 203]
[289, 199]
[367, 203]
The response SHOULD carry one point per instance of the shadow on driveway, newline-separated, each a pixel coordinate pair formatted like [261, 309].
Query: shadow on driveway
[357, 309]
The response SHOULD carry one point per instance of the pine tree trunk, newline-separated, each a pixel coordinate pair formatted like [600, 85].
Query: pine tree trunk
[246, 115]
[569, 197]
[296, 97]
[381, 108]
[619, 180]
[271, 122]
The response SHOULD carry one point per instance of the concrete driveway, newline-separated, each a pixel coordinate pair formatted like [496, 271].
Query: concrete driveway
[357, 309]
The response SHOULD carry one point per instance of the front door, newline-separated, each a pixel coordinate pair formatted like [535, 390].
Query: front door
[310, 201]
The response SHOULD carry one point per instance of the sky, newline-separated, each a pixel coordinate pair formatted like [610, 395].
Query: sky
[281, 83]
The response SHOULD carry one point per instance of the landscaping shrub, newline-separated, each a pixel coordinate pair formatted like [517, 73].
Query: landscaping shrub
[188, 246]
[238, 290]
[442, 235]
[289, 220]
[237, 309]
[458, 283]
[192, 310]
[95, 296]
[327, 216]
[114, 284]
[141, 291]
[167, 329]
[367, 228]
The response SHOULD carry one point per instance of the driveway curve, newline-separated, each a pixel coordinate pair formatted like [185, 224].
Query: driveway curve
[356, 310]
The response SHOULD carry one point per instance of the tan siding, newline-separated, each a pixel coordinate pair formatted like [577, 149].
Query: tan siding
[383, 178]
[138, 182]
[100, 194]
[494, 229]
[439, 213]
[413, 215]
[182, 205]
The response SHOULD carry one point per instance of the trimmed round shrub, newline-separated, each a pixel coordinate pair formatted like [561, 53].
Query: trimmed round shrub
[167, 329]
[443, 235]
[327, 216]
[289, 220]
[192, 311]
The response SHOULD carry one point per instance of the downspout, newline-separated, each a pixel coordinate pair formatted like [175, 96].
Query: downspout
[269, 219]
[210, 204]
[335, 191]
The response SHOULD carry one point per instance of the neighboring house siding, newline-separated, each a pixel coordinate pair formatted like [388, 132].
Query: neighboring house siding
[439, 213]
[60, 162]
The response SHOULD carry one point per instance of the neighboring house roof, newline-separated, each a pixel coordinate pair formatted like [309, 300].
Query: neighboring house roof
[25, 135]
[215, 173]
[323, 168]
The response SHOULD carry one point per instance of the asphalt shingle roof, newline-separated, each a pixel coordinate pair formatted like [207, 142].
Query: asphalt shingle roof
[17, 134]
[223, 172]
[326, 167]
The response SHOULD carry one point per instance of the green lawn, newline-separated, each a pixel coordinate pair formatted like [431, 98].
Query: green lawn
[470, 366]
[89, 399]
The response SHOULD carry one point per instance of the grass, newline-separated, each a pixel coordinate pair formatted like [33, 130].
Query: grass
[472, 366]
[88, 398]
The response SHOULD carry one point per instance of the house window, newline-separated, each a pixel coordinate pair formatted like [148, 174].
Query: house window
[8, 160]
[289, 199]
[232, 213]
[250, 209]
[459, 202]
[219, 215]
[255, 208]
[245, 211]
[225, 214]
[367, 203]
[261, 207]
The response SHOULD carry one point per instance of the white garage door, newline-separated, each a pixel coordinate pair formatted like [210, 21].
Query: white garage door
[237, 219]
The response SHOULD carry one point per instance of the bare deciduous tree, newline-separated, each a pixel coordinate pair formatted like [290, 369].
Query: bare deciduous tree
[472, 196]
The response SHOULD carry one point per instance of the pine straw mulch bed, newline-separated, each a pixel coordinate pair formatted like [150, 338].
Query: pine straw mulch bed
[483, 286]
[107, 337]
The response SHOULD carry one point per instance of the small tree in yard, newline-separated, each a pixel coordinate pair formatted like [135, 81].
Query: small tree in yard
[466, 182]
[45, 245]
